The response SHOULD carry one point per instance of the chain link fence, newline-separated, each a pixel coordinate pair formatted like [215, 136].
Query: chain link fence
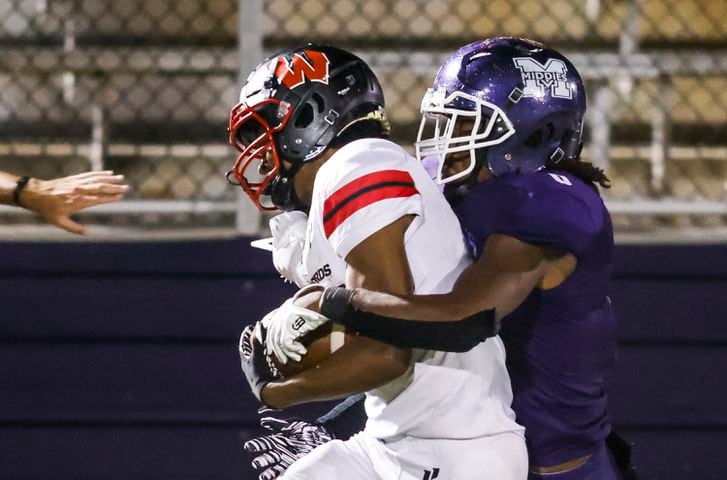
[144, 87]
[140, 87]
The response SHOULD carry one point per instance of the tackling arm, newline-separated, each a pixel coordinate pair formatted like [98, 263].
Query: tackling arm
[379, 262]
[500, 279]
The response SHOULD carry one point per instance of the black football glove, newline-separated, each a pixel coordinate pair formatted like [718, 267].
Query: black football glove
[253, 359]
[289, 441]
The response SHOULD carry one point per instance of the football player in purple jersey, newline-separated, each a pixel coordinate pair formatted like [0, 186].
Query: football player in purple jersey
[501, 131]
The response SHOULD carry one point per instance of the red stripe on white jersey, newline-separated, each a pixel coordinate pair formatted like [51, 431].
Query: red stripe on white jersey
[362, 192]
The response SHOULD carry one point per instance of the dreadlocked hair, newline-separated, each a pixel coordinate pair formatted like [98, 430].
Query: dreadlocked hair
[586, 171]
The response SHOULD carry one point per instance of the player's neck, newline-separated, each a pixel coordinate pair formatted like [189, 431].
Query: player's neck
[306, 176]
[484, 175]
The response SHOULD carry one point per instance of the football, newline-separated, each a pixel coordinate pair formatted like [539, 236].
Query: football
[320, 343]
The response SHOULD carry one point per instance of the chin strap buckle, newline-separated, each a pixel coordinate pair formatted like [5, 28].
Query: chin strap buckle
[331, 117]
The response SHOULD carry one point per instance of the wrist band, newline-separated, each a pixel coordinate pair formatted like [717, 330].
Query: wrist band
[19, 186]
[336, 301]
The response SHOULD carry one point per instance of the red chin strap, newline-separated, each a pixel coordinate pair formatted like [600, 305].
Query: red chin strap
[256, 151]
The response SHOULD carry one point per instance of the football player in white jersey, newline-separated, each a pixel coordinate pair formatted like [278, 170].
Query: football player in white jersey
[312, 132]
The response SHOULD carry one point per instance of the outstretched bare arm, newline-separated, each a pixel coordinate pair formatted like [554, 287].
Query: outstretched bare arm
[500, 279]
[56, 200]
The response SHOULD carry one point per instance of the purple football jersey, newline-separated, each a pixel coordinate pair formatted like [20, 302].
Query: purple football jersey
[560, 342]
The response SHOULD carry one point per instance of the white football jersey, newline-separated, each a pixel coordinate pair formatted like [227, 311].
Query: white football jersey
[365, 186]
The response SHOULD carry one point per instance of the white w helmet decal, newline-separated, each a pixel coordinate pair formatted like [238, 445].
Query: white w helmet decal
[537, 77]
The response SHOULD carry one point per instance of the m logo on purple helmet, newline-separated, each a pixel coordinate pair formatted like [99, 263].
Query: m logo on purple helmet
[537, 77]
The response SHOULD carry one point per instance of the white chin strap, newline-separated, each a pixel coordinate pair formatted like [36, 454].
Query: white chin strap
[436, 107]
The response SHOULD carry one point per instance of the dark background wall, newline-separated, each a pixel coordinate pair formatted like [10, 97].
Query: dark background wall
[120, 360]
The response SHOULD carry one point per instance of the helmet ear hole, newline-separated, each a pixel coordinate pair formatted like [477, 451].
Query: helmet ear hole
[535, 139]
[320, 103]
[551, 132]
[541, 136]
[305, 116]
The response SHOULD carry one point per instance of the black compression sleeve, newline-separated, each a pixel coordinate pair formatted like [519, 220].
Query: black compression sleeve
[448, 336]
[347, 418]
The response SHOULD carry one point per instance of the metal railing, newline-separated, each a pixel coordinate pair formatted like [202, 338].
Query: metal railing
[144, 87]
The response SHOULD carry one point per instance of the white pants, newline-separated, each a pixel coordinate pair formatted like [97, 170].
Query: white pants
[362, 457]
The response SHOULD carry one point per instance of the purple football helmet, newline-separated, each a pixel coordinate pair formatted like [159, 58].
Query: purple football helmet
[514, 104]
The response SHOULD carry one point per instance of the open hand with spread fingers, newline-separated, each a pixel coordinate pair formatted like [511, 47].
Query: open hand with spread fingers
[56, 200]
[288, 441]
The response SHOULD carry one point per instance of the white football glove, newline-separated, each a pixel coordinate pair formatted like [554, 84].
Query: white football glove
[287, 324]
[288, 231]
